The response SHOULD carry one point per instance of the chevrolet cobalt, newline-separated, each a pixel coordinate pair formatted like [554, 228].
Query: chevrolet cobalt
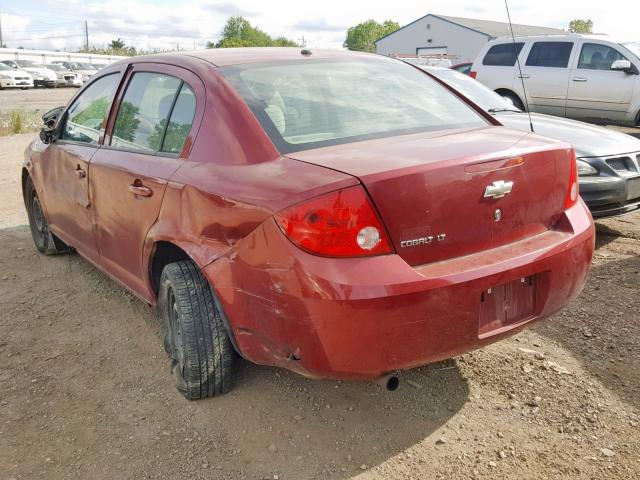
[342, 215]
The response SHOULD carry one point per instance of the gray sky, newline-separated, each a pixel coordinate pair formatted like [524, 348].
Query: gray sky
[165, 23]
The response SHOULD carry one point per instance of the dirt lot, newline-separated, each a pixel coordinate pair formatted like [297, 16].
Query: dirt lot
[85, 390]
[35, 99]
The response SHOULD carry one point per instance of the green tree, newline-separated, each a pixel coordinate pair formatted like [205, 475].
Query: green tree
[581, 26]
[93, 115]
[174, 137]
[363, 36]
[238, 32]
[126, 122]
[117, 44]
[284, 42]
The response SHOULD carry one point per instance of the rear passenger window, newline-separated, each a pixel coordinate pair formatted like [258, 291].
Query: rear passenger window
[144, 112]
[86, 116]
[180, 121]
[598, 57]
[550, 54]
[503, 55]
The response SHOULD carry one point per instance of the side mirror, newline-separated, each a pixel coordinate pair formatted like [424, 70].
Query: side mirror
[621, 65]
[49, 131]
[50, 119]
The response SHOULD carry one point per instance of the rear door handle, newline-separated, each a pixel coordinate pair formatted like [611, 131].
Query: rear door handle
[137, 188]
[524, 76]
[579, 79]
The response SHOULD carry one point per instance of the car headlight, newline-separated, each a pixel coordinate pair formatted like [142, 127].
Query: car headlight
[585, 170]
[6, 77]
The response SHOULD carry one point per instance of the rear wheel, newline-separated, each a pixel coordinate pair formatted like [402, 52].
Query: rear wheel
[513, 98]
[45, 241]
[201, 352]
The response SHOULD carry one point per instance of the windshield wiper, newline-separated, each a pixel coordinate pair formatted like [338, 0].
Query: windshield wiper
[498, 110]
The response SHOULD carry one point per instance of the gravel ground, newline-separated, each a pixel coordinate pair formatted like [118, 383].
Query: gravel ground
[35, 99]
[85, 390]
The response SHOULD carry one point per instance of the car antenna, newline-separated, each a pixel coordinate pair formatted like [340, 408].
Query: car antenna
[517, 53]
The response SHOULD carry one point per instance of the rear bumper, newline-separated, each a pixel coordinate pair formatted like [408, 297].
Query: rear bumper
[360, 318]
[607, 196]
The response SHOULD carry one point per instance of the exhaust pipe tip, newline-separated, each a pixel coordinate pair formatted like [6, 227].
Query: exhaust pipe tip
[391, 382]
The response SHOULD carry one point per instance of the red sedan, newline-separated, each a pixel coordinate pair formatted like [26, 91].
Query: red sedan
[338, 214]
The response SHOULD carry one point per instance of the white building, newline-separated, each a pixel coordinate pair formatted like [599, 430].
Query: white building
[459, 38]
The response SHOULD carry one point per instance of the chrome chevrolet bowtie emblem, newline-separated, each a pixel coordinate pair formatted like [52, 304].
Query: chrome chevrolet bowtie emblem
[498, 189]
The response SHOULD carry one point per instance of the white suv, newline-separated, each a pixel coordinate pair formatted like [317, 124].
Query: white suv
[588, 77]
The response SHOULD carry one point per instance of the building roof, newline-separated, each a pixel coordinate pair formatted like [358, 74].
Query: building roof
[489, 28]
[501, 29]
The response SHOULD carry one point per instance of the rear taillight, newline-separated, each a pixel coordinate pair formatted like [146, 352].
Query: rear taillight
[473, 74]
[573, 190]
[338, 224]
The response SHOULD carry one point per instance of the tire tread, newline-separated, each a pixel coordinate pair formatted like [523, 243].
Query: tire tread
[208, 352]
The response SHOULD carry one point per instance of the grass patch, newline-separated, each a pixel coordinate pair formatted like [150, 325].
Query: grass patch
[19, 121]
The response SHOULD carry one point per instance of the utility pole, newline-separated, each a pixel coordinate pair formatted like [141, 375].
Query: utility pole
[86, 35]
[1, 44]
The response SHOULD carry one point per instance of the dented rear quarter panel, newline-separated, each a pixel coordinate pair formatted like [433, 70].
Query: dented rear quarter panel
[233, 180]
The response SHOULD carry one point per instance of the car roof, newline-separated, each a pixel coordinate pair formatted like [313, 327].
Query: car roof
[221, 57]
[559, 36]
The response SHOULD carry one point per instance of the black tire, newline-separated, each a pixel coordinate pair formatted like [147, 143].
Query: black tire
[514, 99]
[45, 241]
[202, 355]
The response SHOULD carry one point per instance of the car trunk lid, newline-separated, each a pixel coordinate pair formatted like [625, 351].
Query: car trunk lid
[430, 188]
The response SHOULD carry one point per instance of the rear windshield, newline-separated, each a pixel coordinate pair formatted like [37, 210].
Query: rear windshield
[315, 103]
[27, 63]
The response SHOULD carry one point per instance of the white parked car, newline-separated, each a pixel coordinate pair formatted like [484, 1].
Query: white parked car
[587, 77]
[85, 70]
[10, 78]
[40, 74]
[66, 78]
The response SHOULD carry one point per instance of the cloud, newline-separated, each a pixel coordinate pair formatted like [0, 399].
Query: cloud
[227, 8]
[475, 9]
[317, 25]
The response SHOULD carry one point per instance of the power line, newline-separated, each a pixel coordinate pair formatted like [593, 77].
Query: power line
[157, 34]
[47, 37]
[28, 14]
[33, 30]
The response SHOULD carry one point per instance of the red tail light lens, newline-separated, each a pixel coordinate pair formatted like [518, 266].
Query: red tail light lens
[339, 224]
[573, 191]
[473, 74]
